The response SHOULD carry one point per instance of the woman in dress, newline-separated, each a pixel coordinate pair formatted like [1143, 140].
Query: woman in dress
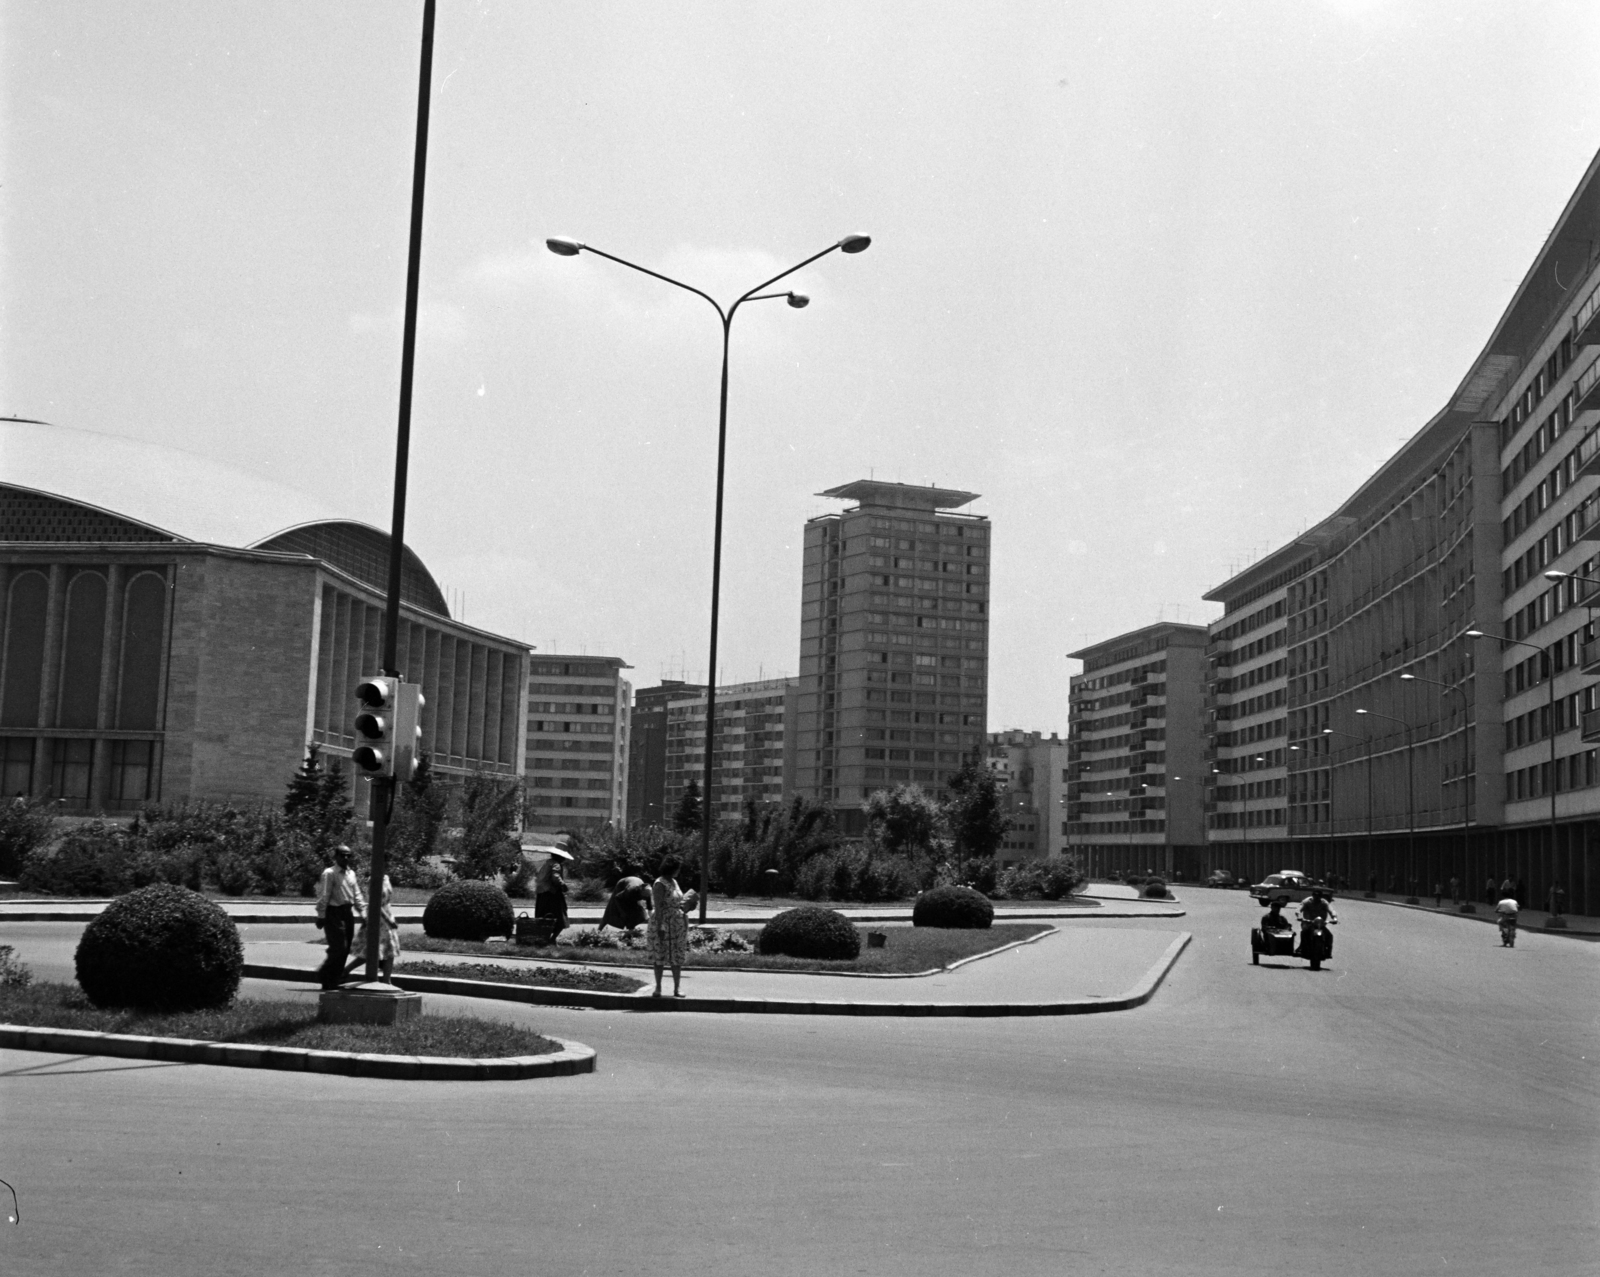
[550, 894]
[669, 928]
[388, 933]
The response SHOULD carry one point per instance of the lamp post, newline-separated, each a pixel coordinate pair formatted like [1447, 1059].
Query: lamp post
[1367, 739]
[1549, 666]
[563, 247]
[1411, 805]
[1466, 762]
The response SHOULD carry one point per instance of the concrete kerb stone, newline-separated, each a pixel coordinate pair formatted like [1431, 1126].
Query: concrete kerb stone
[573, 1057]
[536, 995]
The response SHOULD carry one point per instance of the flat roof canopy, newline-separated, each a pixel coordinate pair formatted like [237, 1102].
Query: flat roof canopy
[900, 496]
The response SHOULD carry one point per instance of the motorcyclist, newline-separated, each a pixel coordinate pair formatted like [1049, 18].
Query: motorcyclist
[1507, 909]
[1317, 905]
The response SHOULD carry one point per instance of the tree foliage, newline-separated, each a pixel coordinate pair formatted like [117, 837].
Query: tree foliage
[687, 814]
[413, 836]
[490, 811]
[973, 811]
[903, 821]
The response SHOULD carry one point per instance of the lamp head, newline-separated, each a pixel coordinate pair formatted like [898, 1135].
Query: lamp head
[1361, 711]
[1408, 678]
[799, 301]
[1327, 731]
[1554, 575]
[1476, 634]
[561, 246]
[854, 243]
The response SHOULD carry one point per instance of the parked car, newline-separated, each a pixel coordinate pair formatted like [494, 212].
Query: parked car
[1222, 878]
[1287, 884]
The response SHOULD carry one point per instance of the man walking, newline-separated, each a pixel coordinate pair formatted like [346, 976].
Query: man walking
[339, 899]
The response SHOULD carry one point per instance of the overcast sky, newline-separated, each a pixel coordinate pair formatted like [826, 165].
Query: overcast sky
[1163, 282]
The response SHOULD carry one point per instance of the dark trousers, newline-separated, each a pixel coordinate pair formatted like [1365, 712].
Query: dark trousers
[340, 929]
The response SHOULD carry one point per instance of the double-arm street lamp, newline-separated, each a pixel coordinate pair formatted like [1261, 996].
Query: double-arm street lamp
[849, 244]
[1411, 806]
[1466, 758]
[1549, 667]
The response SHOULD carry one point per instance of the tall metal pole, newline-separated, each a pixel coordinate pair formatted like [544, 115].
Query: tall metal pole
[381, 795]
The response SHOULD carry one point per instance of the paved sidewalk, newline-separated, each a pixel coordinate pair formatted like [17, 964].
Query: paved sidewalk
[1580, 926]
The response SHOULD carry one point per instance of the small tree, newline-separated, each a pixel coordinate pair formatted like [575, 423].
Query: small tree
[686, 816]
[319, 811]
[418, 817]
[973, 812]
[26, 824]
[490, 807]
[903, 821]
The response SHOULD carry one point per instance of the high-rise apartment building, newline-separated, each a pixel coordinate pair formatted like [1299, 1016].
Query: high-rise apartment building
[647, 751]
[894, 643]
[1136, 752]
[754, 760]
[578, 711]
[1033, 770]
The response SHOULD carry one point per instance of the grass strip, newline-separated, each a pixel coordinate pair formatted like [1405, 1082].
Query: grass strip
[542, 977]
[906, 950]
[275, 1022]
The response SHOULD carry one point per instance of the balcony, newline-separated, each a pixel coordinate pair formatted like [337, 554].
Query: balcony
[1589, 657]
[1586, 327]
[1588, 454]
[1584, 396]
[1591, 725]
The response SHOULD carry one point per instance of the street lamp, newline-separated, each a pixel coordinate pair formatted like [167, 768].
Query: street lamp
[563, 247]
[1466, 761]
[1367, 739]
[1549, 665]
[1411, 805]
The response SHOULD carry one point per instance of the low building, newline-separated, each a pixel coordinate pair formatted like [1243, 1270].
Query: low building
[1034, 770]
[754, 759]
[577, 751]
[177, 629]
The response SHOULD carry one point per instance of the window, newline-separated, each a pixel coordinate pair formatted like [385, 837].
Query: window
[131, 768]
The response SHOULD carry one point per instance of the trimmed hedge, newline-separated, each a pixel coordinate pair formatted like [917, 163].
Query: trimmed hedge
[957, 907]
[468, 910]
[161, 948]
[810, 932]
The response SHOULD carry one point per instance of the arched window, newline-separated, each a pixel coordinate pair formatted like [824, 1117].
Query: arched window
[144, 620]
[24, 673]
[81, 655]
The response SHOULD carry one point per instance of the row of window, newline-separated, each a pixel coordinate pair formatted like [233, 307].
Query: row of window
[931, 586]
[63, 768]
[1527, 403]
[571, 707]
[966, 531]
[1264, 616]
[1261, 818]
[901, 775]
[1258, 647]
[1544, 495]
[1538, 443]
[562, 782]
[927, 547]
[570, 764]
[1255, 732]
[608, 690]
[1105, 829]
[1575, 771]
[555, 725]
[917, 755]
[1253, 705]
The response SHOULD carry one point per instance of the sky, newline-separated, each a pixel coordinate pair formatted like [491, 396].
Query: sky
[1163, 282]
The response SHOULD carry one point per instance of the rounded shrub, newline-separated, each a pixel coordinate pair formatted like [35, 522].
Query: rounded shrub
[161, 948]
[1155, 888]
[810, 932]
[467, 910]
[958, 907]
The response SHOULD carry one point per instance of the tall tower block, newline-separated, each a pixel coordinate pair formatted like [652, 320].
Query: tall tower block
[894, 643]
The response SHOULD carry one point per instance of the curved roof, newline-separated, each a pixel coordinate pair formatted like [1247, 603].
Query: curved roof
[72, 484]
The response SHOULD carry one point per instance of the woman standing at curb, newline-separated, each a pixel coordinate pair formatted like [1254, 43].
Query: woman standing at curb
[669, 927]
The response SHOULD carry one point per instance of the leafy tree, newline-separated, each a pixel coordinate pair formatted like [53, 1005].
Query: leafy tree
[26, 824]
[686, 816]
[903, 821]
[973, 811]
[490, 808]
[318, 810]
[414, 830]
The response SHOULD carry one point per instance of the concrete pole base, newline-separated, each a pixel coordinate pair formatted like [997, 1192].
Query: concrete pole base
[1555, 924]
[375, 1003]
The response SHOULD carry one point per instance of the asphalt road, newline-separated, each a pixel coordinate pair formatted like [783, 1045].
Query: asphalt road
[1427, 1104]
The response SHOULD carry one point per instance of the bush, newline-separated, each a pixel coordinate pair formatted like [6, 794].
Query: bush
[161, 948]
[810, 932]
[717, 940]
[957, 907]
[1049, 879]
[25, 826]
[13, 974]
[1155, 888]
[92, 860]
[468, 910]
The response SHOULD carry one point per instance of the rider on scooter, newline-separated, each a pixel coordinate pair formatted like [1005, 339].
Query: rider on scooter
[1508, 910]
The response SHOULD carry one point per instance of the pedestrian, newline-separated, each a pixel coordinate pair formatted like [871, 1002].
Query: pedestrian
[1488, 891]
[339, 899]
[1455, 891]
[1557, 899]
[1438, 895]
[669, 927]
[1509, 888]
[388, 934]
[629, 906]
[550, 894]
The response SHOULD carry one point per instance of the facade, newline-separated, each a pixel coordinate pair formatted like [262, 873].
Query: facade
[577, 751]
[1441, 708]
[894, 642]
[1034, 770]
[140, 664]
[647, 751]
[754, 759]
[1136, 752]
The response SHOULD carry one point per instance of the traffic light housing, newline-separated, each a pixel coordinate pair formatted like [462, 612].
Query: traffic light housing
[388, 727]
[375, 723]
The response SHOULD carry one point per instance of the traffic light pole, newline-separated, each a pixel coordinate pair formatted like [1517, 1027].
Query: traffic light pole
[382, 792]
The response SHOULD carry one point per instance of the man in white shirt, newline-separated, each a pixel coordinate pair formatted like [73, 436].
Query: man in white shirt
[339, 900]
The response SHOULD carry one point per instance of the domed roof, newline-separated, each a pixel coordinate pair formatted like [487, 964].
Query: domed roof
[63, 483]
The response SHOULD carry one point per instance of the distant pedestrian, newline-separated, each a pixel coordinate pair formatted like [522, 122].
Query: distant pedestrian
[1509, 888]
[1438, 895]
[339, 899]
[550, 894]
[1557, 899]
[1372, 884]
[669, 928]
[388, 933]
[1455, 891]
[1488, 891]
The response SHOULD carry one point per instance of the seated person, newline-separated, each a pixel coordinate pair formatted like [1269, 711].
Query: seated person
[1274, 919]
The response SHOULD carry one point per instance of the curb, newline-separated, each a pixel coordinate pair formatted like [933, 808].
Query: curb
[1489, 918]
[573, 1057]
[1141, 993]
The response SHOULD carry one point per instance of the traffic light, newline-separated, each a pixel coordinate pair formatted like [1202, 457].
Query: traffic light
[375, 724]
[407, 734]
